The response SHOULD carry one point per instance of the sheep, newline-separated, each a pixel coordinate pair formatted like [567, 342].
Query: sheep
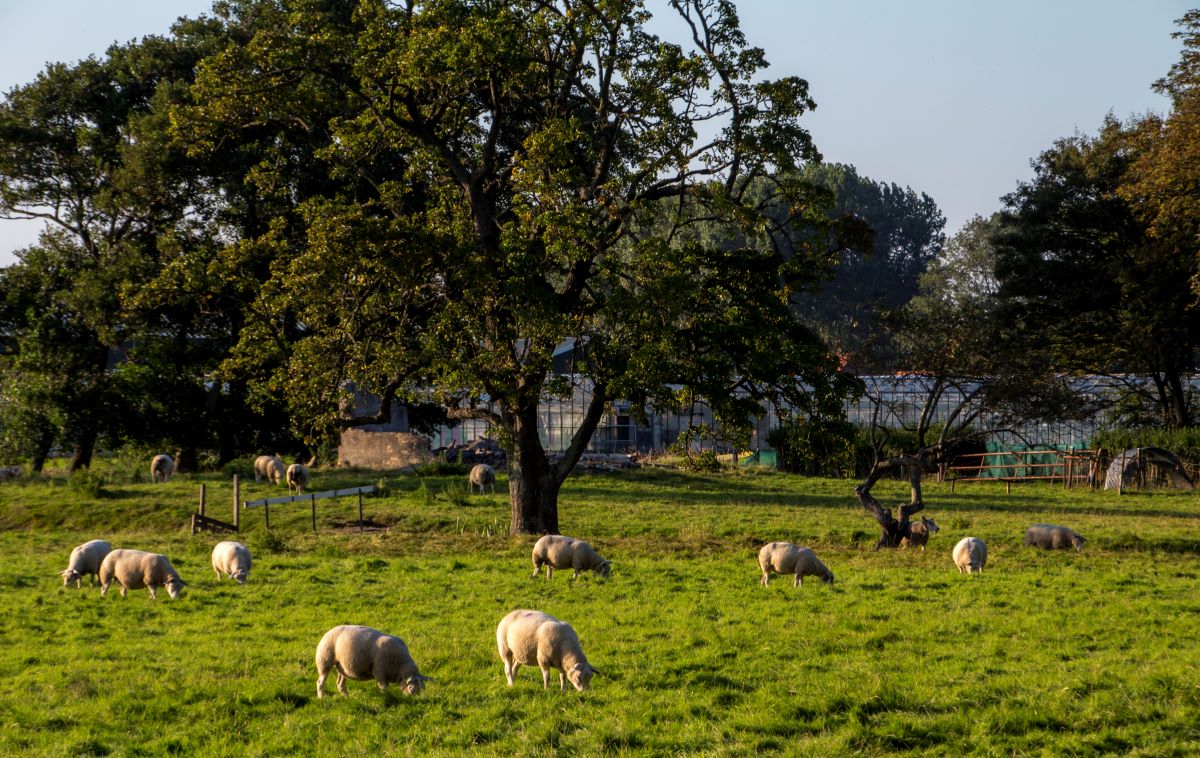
[231, 559]
[135, 569]
[1050, 537]
[270, 468]
[85, 561]
[555, 551]
[161, 465]
[528, 637]
[360, 652]
[786, 558]
[10, 472]
[481, 476]
[918, 534]
[970, 555]
[297, 476]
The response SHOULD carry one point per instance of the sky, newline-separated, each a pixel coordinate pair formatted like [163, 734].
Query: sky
[952, 98]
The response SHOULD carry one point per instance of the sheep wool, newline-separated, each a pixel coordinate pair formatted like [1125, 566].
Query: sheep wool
[786, 558]
[297, 476]
[970, 555]
[161, 467]
[526, 637]
[555, 551]
[482, 475]
[85, 561]
[231, 559]
[1051, 537]
[270, 468]
[360, 653]
[135, 569]
[918, 533]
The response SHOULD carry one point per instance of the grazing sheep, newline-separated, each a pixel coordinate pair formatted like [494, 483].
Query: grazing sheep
[360, 652]
[135, 569]
[786, 558]
[161, 465]
[970, 555]
[297, 476]
[10, 472]
[918, 534]
[85, 561]
[529, 637]
[1050, 537]
[483, 475]
[270, 468]
[231, 559]
[555, 551]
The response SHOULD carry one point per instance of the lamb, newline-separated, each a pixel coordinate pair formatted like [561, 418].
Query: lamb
[161, 465]
[85, 561]
[270, 468]
[297, 476]
[1050, 537]
[786, 558]
[483, 475]
[918, 534]
[231, 559]
[360, 652]
[555, 551]
[970, 555]
[135, 569]
[528, 637]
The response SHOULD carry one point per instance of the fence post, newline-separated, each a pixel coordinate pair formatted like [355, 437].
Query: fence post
[313, 500]
[202, 489]
[236, 512]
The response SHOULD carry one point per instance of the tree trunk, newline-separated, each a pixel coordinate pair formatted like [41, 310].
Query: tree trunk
[186, 460]
[533, 484]
[41, 451]
[892, 530]
[84, 448]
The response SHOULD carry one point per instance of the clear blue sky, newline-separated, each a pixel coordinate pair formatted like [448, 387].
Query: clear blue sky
[950, 97]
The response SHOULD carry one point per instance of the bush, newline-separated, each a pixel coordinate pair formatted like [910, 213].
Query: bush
[458, 493]
[442, 467]
[88, 483]
[816, 447]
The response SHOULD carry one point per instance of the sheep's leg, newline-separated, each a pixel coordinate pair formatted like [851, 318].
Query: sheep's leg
[545, 677]
[537, 569]
[797, 581]
[123, 588]
[766, 578]
[153, 594]
[575, 575]
[512, 672]
[341, 683]
[562, 682]
[549, 571]
[321, 676]
[103, 588]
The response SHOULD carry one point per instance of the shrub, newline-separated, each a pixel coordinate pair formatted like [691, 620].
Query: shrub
[442, 467]
[816, 447]
[88, 483]
[458, 493]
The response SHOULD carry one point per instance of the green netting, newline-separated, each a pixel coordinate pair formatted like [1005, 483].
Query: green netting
[760, 458]
[1015, 459]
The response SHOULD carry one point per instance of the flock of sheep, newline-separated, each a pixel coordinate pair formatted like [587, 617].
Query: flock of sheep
[523, 637]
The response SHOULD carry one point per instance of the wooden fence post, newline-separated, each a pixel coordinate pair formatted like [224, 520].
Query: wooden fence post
[236, 497]
[202, 492]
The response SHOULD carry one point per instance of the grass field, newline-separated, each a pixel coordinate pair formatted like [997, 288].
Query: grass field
[1043, 654]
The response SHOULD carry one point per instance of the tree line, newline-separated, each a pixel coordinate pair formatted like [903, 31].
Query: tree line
[284, 200]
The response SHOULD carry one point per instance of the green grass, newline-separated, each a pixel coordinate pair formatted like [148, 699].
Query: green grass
[1043, 654]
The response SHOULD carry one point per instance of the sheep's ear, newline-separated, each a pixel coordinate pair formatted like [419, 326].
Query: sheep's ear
[594, 669]
[424, 678]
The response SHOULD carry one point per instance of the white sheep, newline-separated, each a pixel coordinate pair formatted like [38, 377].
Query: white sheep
[161, 465]
[1051, 537]
[85, 561]
[360, 652]
[528, 637]
[555, 551]
[135, 569]
[918, 533]
[483, 475]
[231, 559]
[970, 555]
[270, 468]
[297, 476]
[786, 558]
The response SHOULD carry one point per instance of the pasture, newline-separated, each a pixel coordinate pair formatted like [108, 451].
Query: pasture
[1044, 653]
